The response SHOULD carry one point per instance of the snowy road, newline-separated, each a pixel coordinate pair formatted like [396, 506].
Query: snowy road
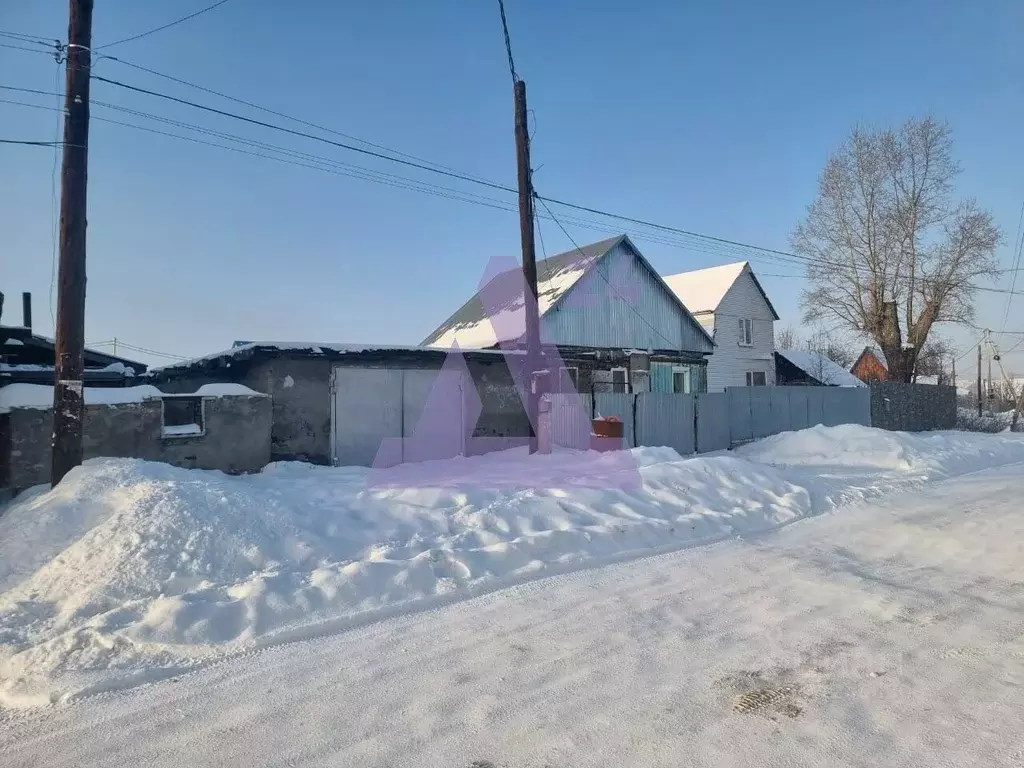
[888, 634]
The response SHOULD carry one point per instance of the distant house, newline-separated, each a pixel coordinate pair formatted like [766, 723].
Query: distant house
[870, 366]
[612, 318]
[731, 304]
[798, 367]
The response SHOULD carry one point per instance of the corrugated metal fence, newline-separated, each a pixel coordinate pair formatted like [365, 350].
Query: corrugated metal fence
[708, 422]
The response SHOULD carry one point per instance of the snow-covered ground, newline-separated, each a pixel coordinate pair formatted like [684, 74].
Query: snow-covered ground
[131, 572]
[888, 633]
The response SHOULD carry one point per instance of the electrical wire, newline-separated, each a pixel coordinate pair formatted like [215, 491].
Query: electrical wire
[163, 27]
[32, 143]
[661, 234]
[644, 320]
[1018, 243]
[22, 37]
[23, 48]
[299, 121]
[508, 42]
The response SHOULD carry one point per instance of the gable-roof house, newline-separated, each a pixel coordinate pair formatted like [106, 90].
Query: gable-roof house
[802, 367]
[731, 304]
[614, 321]
[870, 366]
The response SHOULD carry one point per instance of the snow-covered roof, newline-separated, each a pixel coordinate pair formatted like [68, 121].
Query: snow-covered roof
[821, 368]
[40, 396]
[876, 351]
[473, 327]
[702, 290]
[327, 349]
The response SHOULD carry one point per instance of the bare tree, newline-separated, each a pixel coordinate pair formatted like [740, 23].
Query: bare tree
[787, 338]
[829, 346]
[932, 359]
[889, 253]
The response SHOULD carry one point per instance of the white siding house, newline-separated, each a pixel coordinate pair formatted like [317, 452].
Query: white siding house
[731, 304]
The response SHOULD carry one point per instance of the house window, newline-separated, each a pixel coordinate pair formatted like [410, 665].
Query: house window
[620, 380]
[681, 380]
[757, 379]
[746, 332]
[182, 416]
[568, 379]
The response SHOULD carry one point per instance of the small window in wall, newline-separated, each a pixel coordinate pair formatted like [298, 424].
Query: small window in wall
[746, 332]
[620, 380]
[182, 417]
[757, 379]
[681, 380]
[568, 379]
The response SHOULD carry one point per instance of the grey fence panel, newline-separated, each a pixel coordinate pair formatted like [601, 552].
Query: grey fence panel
[621, 407]
[570, 421]
[781, 418]
[666, 419]
[761, 412]
[712, 422]
[740, 425]
[798, 406]
[847, 405]
[815, 406]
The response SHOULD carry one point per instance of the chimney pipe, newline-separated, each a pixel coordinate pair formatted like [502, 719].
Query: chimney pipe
[26, 309]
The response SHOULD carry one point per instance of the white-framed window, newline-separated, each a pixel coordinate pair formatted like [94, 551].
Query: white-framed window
[757, 379]
[620, 380]
[682, 380]
[746, 332]
[568, 377]
[182, 416]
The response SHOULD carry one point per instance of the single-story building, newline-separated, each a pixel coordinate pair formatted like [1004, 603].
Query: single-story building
[336, 403]
[615, 323]
[801, 367]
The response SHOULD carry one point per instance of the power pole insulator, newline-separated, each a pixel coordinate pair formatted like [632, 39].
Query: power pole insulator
[69, 336]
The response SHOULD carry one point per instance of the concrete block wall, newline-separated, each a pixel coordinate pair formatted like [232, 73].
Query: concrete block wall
[236, 438]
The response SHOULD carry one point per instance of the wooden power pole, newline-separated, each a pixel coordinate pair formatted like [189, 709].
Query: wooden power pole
[533, 354]
[979, 381]
[69, 343]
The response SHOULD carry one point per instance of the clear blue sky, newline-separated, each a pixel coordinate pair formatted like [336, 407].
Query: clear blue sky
[714, 117]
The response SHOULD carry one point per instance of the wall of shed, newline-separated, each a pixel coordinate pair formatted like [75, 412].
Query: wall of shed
[237, 437]
[621, 304]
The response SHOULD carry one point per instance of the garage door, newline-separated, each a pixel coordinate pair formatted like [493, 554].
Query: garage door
[371, 406]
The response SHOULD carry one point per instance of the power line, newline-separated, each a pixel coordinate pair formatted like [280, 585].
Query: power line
[695, 241]
[302, 134]
[23, 48]
[163, 27]
[38, 39]
[508, 42]
[1018, 243]
[300, 121]
[32, 143]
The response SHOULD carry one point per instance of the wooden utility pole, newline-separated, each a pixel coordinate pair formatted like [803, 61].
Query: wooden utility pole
[979, 381]
[69, 343]
[533, 355]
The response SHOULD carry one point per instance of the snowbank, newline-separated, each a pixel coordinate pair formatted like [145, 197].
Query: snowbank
[132, 571]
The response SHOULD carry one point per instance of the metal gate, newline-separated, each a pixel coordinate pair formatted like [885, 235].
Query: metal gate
[381, 417]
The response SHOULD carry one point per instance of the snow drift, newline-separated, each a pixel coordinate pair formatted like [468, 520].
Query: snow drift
[131, 571]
